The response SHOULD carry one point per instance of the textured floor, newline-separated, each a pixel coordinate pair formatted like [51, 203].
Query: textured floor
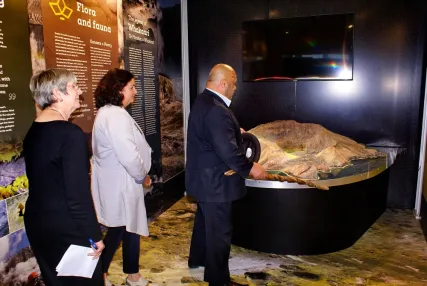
[392, 252]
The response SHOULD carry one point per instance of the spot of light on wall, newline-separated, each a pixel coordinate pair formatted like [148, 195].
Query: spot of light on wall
[343, 88]
[391, 84]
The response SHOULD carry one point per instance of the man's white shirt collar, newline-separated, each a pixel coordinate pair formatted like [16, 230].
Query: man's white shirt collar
[226, 100]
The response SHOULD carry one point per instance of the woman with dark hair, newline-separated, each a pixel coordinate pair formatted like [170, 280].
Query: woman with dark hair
[120, 164]
[59, 210]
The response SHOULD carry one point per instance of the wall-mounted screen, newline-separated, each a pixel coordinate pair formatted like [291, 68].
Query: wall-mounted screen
[304, 48]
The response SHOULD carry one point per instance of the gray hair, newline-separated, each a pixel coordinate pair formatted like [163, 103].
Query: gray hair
[43, 83]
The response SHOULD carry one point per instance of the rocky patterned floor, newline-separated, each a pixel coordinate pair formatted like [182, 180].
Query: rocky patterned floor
[392, 252]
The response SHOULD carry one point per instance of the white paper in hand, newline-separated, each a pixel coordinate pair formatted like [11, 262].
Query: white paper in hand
[76, 262]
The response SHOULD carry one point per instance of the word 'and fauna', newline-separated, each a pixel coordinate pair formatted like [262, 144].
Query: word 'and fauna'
[90, 23]
[93, 24]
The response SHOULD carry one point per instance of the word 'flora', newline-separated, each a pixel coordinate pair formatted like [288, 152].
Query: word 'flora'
[81, 8]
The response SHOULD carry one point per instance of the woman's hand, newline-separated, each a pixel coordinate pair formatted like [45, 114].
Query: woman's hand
[147, 182]
[97, 252]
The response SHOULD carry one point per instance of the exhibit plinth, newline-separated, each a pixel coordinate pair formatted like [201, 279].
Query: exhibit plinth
[287, 218]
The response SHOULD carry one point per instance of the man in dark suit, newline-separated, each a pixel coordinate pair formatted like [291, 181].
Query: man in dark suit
[214, 146]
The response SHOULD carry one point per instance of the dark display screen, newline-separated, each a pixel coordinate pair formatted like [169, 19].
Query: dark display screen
[305, 48]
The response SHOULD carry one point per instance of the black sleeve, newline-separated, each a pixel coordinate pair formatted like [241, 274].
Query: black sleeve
[221, 134]
[75, 166]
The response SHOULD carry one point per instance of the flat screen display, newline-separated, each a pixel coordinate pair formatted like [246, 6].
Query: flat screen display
[304, 48]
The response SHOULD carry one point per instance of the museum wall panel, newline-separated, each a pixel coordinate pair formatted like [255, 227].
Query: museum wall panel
[88, 37]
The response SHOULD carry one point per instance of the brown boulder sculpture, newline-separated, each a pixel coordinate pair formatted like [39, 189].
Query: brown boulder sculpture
[304, 149]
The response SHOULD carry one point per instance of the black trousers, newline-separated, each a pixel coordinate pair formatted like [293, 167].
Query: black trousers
[49, 238]
[211, 241]
[130, 248]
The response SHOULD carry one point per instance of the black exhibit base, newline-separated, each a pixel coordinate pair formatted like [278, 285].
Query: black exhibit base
[307, 221]
[163, 196]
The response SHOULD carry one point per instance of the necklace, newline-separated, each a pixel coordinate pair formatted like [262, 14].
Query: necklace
[54, 109]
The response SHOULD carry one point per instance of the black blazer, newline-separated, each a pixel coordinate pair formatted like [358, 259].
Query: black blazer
[214, 146]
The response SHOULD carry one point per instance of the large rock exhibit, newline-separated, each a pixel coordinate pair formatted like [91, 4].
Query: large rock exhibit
[305, 149]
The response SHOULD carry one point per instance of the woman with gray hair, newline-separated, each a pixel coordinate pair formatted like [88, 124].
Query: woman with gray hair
[59, 210]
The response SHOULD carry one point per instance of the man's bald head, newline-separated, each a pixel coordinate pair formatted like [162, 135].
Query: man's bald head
[222, 79]
[220, 71]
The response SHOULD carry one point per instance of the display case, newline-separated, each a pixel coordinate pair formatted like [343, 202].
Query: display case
[287, 218]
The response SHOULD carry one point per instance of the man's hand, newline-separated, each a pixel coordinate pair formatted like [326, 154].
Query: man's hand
[242, 130]
[257, 172]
